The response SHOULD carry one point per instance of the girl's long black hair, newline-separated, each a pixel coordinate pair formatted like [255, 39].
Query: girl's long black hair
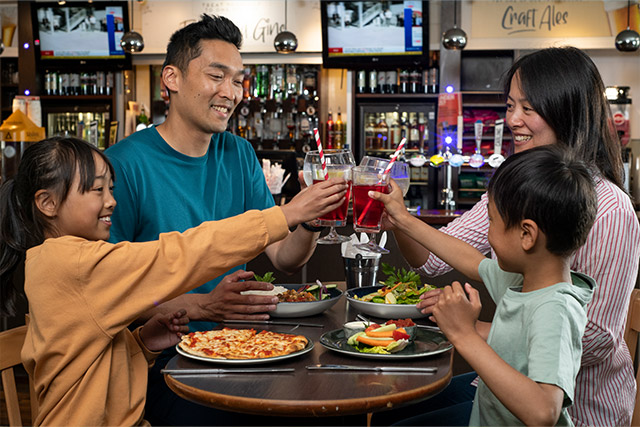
[49, 164]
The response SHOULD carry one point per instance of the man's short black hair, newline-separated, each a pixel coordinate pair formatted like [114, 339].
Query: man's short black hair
[184, 45]
[550, 187]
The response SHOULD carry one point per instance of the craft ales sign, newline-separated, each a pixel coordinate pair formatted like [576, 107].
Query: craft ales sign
[550, 19]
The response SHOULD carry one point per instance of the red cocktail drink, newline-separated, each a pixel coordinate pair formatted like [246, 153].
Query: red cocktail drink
[339, 214]
[367, 213]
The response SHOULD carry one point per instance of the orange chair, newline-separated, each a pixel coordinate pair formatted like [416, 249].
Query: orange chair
[11, 344]
[631, 337]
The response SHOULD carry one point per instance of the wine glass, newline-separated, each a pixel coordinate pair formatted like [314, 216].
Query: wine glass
[339, 164]
[399, 170]
[367, 213]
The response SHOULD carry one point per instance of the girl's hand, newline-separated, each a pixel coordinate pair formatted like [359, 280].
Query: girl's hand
[314, 201]
[164, 330]
[395, 210]
[456, 314]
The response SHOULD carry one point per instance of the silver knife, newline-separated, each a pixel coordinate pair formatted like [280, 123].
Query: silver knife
[406, 369]
[274, 322]
[224, 371]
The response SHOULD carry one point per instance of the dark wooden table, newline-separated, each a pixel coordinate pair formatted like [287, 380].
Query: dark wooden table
[305, 393]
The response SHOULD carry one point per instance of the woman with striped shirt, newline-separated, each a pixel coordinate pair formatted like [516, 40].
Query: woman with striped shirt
[556, 95]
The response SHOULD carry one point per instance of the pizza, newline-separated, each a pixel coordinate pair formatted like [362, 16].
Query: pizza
[230, 343]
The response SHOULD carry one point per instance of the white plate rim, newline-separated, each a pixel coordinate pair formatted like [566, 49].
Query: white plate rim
[307, 349]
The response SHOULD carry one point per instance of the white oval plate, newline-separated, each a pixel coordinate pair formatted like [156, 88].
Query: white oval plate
[307, 308]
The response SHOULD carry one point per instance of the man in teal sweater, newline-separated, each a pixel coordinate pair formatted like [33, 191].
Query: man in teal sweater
[189, 170]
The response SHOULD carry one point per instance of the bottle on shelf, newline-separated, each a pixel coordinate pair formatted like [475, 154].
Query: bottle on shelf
[382, 133]
[391, 82]
[382, 82]
[414, 131]
[361, 81]
[338, 132]
[246, 83]
[370, 132]
[403, 79]
[394, 130]
[329, 134]
[373, 81]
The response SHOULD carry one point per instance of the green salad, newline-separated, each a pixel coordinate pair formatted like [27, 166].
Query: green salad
[400, 287]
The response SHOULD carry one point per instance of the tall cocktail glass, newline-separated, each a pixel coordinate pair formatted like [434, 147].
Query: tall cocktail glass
[338, 165]
[399, 170]
[367, 213]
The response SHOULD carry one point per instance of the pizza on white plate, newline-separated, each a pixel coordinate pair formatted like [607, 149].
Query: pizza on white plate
[228, 343]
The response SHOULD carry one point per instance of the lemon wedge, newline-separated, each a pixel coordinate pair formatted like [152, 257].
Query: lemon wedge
[390, 298]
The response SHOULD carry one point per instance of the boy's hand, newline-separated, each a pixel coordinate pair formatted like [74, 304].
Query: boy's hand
[456, 314]
[428, 300]
[315, 201]
[395, 210]
[164, 330]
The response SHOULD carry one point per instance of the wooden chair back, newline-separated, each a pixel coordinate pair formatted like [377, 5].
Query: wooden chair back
[11, 344]
[631, 337]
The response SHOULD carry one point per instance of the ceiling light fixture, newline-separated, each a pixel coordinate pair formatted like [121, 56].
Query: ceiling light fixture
[454, 38]
[285, 41]
[132, 41]
[628, 40]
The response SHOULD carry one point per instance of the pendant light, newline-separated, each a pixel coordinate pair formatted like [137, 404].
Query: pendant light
[628, 40]
[132, 41]
[285, 41]
[454, 38]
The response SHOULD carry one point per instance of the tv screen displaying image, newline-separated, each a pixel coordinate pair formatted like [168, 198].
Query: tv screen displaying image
[374, 32]
[76, 31]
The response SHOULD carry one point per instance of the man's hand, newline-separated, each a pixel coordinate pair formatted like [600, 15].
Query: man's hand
[164, 330]
[225, 301]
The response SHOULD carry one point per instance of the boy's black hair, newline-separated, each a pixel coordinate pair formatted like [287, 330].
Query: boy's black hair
[550, 187]
[49, 164]
[184, 45]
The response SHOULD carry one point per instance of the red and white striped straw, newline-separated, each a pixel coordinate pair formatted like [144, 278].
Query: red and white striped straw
[324, 164]
[395, 156]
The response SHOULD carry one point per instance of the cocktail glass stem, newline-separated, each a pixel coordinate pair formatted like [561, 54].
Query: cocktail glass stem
[333, 238]
[371, 245]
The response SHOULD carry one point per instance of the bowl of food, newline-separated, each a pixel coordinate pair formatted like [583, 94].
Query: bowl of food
[396, 297]
[298, 300]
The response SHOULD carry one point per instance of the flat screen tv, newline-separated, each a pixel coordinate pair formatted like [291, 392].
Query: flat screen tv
[375, 34]
[81, 33]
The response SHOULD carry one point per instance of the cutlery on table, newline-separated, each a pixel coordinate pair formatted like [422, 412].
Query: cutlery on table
[275, 322]
[198, 372]
[431, 328]
[406, 369]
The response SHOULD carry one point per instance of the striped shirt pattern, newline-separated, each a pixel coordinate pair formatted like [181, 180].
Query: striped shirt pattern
[605, 386]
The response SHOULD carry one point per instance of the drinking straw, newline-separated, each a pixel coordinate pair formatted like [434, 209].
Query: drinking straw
[386, 171]
[322, 161]
[395, 156]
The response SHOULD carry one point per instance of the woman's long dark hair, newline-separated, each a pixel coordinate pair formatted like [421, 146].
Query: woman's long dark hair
[49, 164]
[564, 87]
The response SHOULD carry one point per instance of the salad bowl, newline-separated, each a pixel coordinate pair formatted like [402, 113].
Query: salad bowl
[381, 310]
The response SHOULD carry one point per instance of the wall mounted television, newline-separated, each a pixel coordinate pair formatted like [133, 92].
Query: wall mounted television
[81, 34]
[375, 34]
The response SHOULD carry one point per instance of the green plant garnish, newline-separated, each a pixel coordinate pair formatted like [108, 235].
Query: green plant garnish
[268, 277]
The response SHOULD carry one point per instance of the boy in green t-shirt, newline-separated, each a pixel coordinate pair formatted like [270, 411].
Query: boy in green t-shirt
[542, 204]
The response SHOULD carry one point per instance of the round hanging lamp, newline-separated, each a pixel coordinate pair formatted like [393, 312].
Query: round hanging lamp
[454, 38]
[628, 40]
[285, 41]
[132, 41]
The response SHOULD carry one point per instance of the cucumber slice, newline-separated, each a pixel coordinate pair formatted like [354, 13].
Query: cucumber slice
[312, 288]
[331, 286]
